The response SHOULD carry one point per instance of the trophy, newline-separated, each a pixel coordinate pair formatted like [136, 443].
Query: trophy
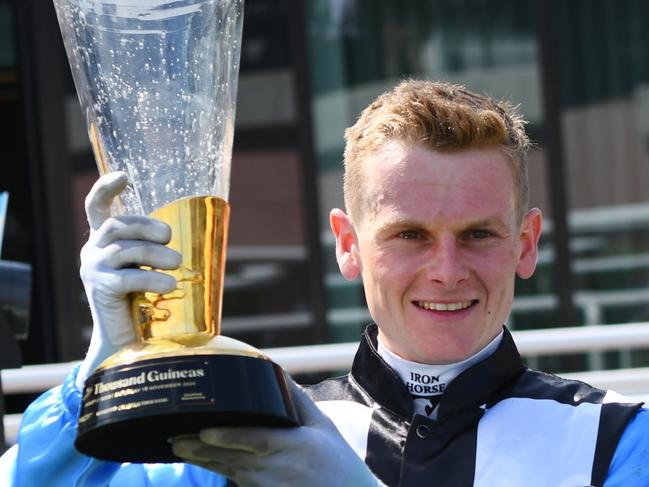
[157, 82]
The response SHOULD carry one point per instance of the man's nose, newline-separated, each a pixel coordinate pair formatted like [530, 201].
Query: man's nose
[445, 265]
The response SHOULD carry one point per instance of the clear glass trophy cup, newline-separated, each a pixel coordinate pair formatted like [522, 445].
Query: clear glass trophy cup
[157, 82]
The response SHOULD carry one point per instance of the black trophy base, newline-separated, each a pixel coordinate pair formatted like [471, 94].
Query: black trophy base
[130, 412]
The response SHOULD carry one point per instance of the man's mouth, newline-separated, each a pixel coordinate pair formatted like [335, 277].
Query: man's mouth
[434, 306]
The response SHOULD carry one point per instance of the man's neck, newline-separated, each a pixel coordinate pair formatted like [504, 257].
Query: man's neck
[427, 382]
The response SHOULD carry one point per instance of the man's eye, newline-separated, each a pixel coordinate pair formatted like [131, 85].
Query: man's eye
[480, 234]
[409, 234]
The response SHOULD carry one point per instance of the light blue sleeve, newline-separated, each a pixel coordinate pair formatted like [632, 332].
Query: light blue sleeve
[44, 453]
[630, 464]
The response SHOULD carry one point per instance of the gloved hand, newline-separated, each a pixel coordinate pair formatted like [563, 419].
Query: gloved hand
[314, 454]
[115, 247]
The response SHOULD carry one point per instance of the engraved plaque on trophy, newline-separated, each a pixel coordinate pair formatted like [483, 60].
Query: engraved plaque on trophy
[157, 82]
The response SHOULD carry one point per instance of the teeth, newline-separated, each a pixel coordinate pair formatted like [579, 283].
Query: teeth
[444, 306]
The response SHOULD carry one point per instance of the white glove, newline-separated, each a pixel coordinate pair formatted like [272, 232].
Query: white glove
[314, 454]
[115, 247]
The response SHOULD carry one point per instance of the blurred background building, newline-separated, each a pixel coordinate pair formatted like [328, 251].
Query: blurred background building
[579, 71]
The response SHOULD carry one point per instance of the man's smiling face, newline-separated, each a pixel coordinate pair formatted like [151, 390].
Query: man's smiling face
[438, 248]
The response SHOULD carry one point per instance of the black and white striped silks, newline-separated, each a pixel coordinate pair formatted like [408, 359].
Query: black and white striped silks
[499, 424]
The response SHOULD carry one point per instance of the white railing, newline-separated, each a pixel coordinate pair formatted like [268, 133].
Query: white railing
[338, 357]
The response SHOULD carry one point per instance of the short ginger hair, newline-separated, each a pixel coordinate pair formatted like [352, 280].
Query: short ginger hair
[435, 115]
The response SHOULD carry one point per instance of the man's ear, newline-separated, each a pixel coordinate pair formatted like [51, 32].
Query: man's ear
[347, 254]
[529, 238]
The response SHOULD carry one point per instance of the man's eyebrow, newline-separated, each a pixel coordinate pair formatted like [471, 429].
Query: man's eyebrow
[489, 222]
[401, 224]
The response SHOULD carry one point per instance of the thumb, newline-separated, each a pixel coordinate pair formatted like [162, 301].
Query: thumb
[308, 412]
[101, 196]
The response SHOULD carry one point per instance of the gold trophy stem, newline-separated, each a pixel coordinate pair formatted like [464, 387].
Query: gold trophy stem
[191, 313]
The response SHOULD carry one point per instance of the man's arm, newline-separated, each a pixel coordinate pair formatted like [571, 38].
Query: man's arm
[630, 464]
[44, 453]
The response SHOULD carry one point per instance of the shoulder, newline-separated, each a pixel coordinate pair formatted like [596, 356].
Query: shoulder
[612, 407]
[533, 384]
[606, 410]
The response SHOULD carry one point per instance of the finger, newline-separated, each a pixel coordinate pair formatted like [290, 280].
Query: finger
[256, 440]
[189, 451]
[136, 280]
[129, 253]
[132, 227]
[119, 283]
[196, 451]
[101, 197]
